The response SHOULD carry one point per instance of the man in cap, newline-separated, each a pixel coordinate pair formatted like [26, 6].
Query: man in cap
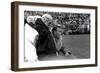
[45, 43]
[49, 22]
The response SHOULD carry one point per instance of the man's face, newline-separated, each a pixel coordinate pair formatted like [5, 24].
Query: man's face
[49, 24]
[59, 31]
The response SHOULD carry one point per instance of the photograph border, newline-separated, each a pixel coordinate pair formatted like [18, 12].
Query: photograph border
[15, 34]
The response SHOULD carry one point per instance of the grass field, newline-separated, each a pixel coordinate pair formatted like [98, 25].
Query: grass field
[79, 45]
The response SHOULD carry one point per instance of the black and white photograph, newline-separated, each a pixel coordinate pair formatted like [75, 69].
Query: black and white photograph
[56, 35]
[51, 36]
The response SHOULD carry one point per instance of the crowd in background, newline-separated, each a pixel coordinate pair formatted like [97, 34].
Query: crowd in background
[72, 23]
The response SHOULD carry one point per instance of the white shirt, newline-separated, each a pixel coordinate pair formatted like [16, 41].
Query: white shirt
[30, 49]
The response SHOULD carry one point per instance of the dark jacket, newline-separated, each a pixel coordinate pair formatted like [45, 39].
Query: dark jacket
[45, 42]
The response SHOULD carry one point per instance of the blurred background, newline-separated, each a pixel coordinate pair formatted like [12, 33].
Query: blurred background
[72, 23]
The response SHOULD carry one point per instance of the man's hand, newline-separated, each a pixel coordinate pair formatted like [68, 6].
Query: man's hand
[36, 38]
